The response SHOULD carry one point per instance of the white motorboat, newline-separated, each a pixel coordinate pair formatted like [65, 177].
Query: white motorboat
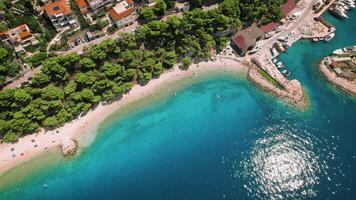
[280, 65]
[339, 12]
[329, 37]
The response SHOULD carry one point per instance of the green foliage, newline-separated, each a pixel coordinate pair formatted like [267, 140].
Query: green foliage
[186, 62]
[8, 68]
[170, 3]
[10, 137]
[40, 79]
[260, 10]
[87, 63]
[146, 15]
[160, 8]
[36, 59]
[70, 85]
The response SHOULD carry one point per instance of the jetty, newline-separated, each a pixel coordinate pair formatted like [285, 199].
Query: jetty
[302, 22]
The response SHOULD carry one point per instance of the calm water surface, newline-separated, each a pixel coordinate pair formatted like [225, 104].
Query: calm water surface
[219, 138]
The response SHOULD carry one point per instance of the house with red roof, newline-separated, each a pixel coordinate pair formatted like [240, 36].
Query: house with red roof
[123, 14]
[83, 6]
[270, 26]
[288, 7]
[60, 14]
[19, 36]
[245, 39]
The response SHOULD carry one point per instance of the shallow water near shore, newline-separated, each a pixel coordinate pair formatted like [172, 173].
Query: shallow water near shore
[219, 138]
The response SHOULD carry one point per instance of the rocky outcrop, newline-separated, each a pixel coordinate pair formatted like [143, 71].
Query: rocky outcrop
[341, 83]
[69, 147]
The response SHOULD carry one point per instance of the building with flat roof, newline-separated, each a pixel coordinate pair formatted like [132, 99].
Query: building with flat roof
[98, 4]
[60, 14]
[123, 14]
[245, 39]
[19, 36]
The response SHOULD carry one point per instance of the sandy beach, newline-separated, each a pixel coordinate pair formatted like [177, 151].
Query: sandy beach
[30, 146]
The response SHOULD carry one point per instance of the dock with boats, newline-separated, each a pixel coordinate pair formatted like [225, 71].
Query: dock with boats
[340, 8]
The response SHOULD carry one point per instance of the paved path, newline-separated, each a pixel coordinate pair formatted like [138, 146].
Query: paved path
[79, 48]
[56, 38]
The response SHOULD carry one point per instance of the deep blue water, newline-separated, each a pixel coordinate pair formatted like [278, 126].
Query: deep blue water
[219, 138]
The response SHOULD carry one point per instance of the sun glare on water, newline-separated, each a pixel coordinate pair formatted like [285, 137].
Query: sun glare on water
[283, 162]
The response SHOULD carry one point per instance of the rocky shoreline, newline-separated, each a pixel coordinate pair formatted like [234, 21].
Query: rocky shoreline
[341, 83]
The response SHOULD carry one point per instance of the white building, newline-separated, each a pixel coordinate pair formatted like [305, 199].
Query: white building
[123, 14]
[19, 36]
[60, 14]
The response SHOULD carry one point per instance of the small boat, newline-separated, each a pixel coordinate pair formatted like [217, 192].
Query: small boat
[321, 39]
[286, 45]
[274, 60]
[268, 35]
[329, 37]
[274, 52]
[285, 73]
[255, 49]
[315, 39]
[339, 12]
[345, 50]
[280, 65]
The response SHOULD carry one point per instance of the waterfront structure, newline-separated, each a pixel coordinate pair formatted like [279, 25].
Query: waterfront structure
[245, 39]
[60, 14]
[19, 37]
[123, 14]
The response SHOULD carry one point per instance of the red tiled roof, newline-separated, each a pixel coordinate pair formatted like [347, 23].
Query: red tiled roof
[270, 26]
[22, 31]
[129, 1]
[81, 3]
[288, 7]
[334, 63]
[57, 7]
[117, 16]
[3, 35]
[240, 41]
[247, 37]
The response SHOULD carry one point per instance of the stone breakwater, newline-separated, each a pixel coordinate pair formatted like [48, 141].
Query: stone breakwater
[333, 78]
[291, 93]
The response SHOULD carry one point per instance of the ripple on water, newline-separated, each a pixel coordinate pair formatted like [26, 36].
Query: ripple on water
[283, 161]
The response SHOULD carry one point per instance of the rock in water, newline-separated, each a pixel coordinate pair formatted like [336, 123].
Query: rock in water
[69, 147]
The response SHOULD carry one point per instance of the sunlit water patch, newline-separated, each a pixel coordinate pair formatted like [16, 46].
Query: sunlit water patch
[282, 161]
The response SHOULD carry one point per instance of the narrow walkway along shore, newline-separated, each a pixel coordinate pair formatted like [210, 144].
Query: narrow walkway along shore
[73, 133]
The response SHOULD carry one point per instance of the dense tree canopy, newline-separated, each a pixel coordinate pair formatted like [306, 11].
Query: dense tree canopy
[70, 85]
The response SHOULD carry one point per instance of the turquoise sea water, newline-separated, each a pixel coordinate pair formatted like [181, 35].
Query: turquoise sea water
[217, 138]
